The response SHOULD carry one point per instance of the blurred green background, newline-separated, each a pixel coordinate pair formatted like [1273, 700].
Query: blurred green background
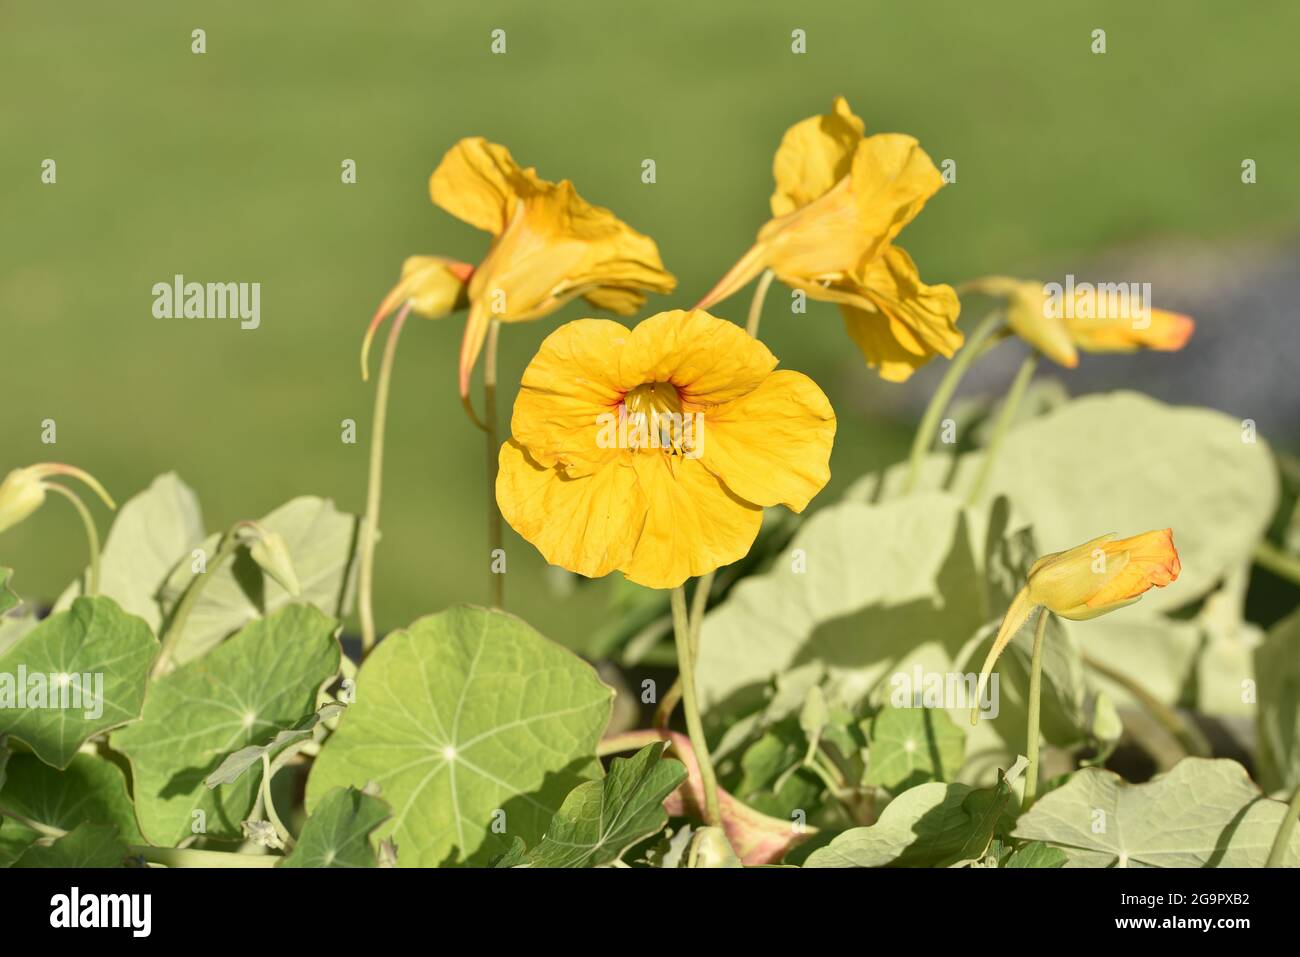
[225, 167]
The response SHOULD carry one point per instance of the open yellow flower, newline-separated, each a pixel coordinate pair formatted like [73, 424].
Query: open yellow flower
[654, 450]
[23, 490]
[548, 246]
[1097, 319]
[841, 198]
[1088, 580]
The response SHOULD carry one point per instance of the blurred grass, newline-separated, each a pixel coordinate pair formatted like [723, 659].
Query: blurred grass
[225, 167]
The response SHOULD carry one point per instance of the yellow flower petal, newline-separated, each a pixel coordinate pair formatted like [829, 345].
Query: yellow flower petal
[477, 182]
[1152, 562]
[814, 155]
[774, 444]
[1162, 330]
[693, 523]
[571, 382]
[709, 360]
[1029, 317]
[588, 524]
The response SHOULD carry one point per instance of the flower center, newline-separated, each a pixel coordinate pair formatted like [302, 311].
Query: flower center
[655, 419]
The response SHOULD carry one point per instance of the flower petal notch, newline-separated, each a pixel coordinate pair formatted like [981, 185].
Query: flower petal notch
[653, 451]
[841, 199]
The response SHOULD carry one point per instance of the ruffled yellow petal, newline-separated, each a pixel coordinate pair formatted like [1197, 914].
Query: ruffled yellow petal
[898, 322]
[1029, 317]
[814, 155]
[1162, 330]
[889, 182]
[477, 182]
[693, 523]
[588, 524]
[709, 360]
[774, 444]
[568, 386]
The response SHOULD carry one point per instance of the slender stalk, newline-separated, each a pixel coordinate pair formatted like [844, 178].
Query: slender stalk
[1184, 732]
[45, 830]
[269, 804]
[1282, 842]
[92, 536]
[943, 395]
[1035, 702]
[1019, 385]
[1280, 563]
[229, 543]
[375, 485]
[496, 582]
[193, 857]
[699, 604]
[756, 304]
[691, 703]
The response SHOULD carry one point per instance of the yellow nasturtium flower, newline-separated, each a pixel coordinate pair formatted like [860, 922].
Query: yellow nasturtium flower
[654, 450]
[841, 198]
[1088, 580]
[23, 490]
[549, 246]
[1092, 322]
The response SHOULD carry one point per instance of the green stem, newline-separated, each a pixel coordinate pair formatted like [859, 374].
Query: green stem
[92, 536]
[497, 581]
[193, 857]
[1280, 563]
[45, 830]
[756, 304]
[699, 603]
[375, 486]
[1282, 842]
[1035, 703]
[1006, 415]
[691, 703]
[1185, 733]
[269, 804]
[228, 546]
[925, 432]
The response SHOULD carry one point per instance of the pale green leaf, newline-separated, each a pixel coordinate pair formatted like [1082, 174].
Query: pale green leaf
[1202, 813]
[337, 834]
[87, 846]
[1277, 662]
[474, 727]
[911, 746]
[320, 542]
[151, 533]
[92, 662]
[600, 820]
[258, 683]
[240, 761]
[922, 827]
[1037, 854]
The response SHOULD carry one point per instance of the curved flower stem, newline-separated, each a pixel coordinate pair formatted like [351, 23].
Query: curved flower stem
[269, 804]
[1186, 733]
[1006, 415]
[756, 304]
[699, 603]
[496, 582]
[1280, 563]
[1283, 840]
[92, 536]
[924, 438]
[228, 546]
[691, 702]
[193, 857]
[1035, 703]
[375, 485]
